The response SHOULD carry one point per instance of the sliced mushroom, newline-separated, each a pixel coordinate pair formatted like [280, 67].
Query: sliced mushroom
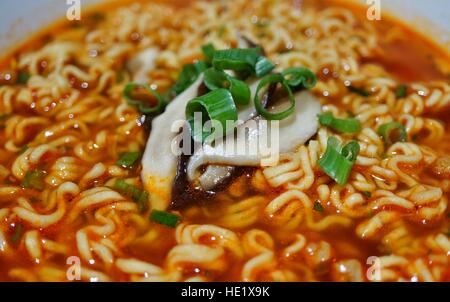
[293, 131]
[183, 191]
[141, 64]
[160, 165]
[185, 178]
[214, 176]
[159, 162]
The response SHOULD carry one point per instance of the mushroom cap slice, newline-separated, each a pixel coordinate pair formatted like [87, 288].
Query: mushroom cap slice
[159, 161]
[292, 132]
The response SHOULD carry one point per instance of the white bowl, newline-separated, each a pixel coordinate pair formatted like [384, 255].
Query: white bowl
[20, 18]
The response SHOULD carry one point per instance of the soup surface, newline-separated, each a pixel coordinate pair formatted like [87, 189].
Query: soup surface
[65, 123]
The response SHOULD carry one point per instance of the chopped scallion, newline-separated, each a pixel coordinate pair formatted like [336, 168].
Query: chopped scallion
[216, 79]
[34, 180]
[263, 66]
[136, 194]
[23, 149]
[165, 218]
[367, 194]
[208, 52]
[338, 161]
[392, 132]
[300, 77]
[361, 91]
[265, 82]
[23, 77]
[189, 74]
[400, 92]
[130, 89]
[237, 59]
[318, 207]
[17, 234]
[216, 106]
[349, 125]
[128, 159]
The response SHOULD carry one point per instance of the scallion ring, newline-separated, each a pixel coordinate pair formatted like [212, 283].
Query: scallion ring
[348, 125]
[128, 159]
[23, 77]
[208, 52]
[338, 161]
[216, 79]
[136, 194]
[237, 59]
[300, 77]
[34, 180]
[188, 75]
[401, 90]
[394, 128]
[358, 90]
[351, 151]
[268, 80]
[216, 106]
[165, 218]
[143, 108]
[263, 66]
[18, 232]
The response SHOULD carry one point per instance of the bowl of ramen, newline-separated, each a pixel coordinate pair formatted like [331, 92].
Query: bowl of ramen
[225, 141]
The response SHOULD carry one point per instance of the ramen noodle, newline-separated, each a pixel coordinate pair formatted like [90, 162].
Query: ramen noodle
[65, 123]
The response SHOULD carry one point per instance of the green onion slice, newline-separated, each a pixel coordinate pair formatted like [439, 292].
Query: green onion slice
[263, 67]
[237, 59]
[338, 161]
[158, 107]
[23, 77]
[165, 218]
[136, 194]
[34, 180]
[128, 159]
[18, 231]
[300, 77]
[318, 207]
[392, 132]
[267, 81]
[368, 194]
[216, 106]
[400, 92]
[216, 79]
[208, 52]
[349, 125]
[23, 149]
[361, 91]
[188, 75]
